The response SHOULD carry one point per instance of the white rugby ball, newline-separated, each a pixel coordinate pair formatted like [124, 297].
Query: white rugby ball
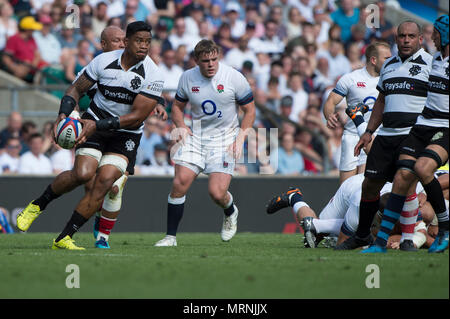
[67, 132]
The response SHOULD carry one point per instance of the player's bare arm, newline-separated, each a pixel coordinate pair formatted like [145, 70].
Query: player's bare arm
[375, 121]
[331, 116]
[246, 124]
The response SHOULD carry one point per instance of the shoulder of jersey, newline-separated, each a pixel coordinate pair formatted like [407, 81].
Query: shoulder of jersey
[150, 64]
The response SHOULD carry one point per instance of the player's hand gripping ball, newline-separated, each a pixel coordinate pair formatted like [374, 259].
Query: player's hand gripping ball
[67, 132]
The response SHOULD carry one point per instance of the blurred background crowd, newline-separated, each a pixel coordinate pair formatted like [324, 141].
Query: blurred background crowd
[291, 51]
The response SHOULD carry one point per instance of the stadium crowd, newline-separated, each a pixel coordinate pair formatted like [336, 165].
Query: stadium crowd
[292, 52]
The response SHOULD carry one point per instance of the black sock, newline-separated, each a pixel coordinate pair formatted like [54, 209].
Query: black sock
[230, 210]
[367, 211]
[297, 197]
[174, 215]
[46, 198]
[75, 223]
[436, 199]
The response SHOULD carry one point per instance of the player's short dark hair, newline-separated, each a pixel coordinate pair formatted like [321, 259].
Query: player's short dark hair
[372, 49]
[205, 47]
[137, 26]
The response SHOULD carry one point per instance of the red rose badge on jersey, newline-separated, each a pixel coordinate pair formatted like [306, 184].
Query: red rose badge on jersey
[220, 88]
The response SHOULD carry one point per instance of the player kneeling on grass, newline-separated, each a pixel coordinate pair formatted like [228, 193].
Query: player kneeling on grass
[340, 216]
[214, 91]
[129, 86]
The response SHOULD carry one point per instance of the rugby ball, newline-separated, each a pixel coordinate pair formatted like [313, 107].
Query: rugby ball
[67, 132]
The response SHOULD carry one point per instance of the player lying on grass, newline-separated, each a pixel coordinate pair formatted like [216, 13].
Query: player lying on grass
[340, 216]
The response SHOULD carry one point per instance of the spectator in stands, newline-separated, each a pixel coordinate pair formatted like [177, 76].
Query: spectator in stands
[298, 94]
[294, 23]
[68, 40]
[28, 129]
[270, 43]
[273, 95]
[161, 33]
[386, 30]
[337, 61]
[150, 137]
[237, 25]
[224, 39]
[193, 19]
[359, 32]
[5, 227]
[61, 159]
[87, 33]
[276, 15]
[237, 56]
[346, 16]
[172, 73]
[159, 165]
[214, 17]
[135, 10]
[181, 37]
[303, 144]
[21, 55]
[76, 63]
[8, 25]
[354, 56]
[56, 13]
[165, 12]
[48, 45]
[306, 71]
[322, 24]
[305, 7]
[9, 159]
[33, 161]
[321, 77]
[12, 129]
[100, 19]
[289, 161]
[254, 20]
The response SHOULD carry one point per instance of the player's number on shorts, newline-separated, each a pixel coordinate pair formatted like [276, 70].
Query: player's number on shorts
[210, 108]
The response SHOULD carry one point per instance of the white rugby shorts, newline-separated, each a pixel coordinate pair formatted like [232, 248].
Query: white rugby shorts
[348, 161]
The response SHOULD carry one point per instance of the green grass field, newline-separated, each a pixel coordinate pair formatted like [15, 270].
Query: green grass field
[254, 266]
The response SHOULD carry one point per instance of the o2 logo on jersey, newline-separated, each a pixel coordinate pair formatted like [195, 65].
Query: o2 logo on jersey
[210, 108]
[369, 98]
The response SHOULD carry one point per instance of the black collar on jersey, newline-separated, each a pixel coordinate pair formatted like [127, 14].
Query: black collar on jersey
[114, 65]
[138, 69]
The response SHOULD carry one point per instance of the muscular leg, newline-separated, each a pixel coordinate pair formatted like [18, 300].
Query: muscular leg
[218, 189]
[91, 202]
[425, 168]
[404, 184]
[184, 177]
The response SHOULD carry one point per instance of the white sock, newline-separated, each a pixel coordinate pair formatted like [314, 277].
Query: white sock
[361, 128]
[328, 226]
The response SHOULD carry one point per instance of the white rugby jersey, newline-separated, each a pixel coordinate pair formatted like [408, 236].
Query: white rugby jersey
[214, 101]
[358, 87]
[405, 86]
[117, 88]
[435, 112]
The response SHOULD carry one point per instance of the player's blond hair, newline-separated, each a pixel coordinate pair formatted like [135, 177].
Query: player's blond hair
[205, 47]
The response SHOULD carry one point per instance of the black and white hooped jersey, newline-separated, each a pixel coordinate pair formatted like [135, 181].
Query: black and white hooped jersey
[435, 112]
[405, 86]
[117, 88]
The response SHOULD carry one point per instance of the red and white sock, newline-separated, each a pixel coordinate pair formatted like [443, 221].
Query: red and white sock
[105, 227]
[408, 217]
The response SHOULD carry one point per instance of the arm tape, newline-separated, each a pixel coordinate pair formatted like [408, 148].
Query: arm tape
[110, 123]
[67, 105]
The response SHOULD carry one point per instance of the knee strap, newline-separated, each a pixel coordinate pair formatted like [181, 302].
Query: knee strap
[406, 164]
[113, 202]
[114, 160]
[87, 151]
[431, 154]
